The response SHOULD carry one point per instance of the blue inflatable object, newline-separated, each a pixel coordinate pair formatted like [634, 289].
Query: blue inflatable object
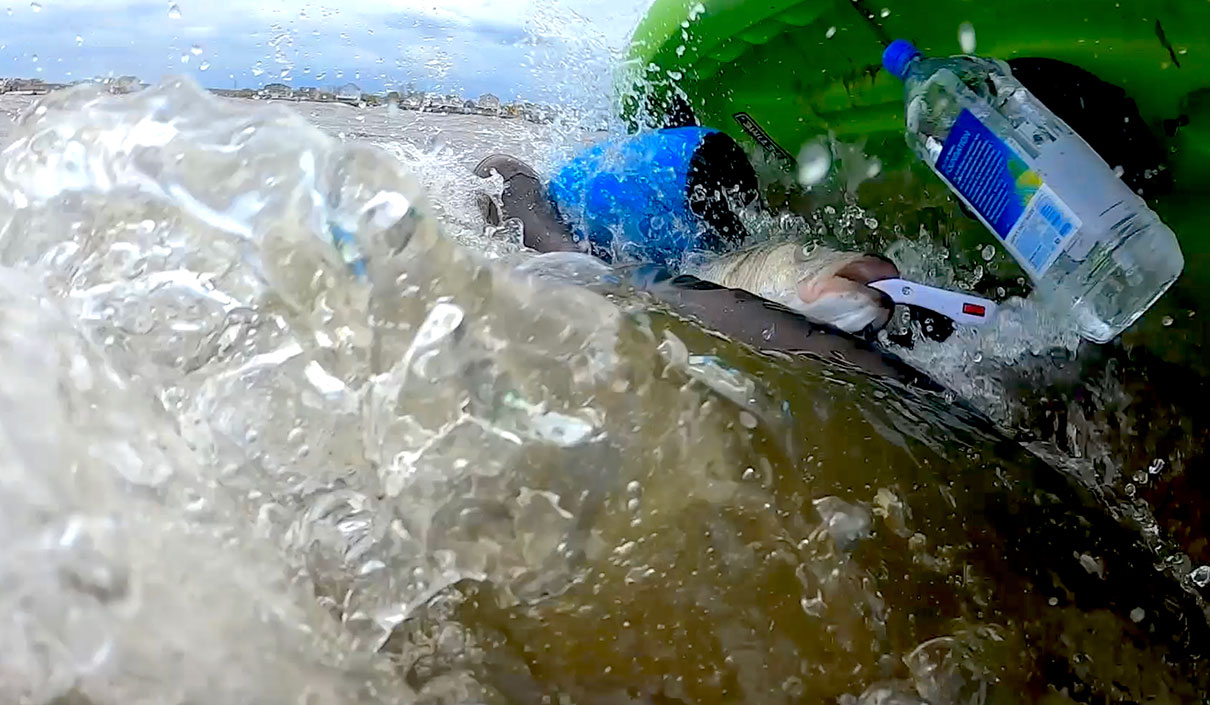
[630, 197]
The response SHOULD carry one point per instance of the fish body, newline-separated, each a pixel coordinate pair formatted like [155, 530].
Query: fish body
[825, 285]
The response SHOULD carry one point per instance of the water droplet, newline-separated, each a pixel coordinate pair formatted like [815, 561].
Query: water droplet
[184, 58]
[633, 487]
[196, 50]
[1130, 490]
[340, 74]
[1118, 171]
[194, 502]
[257, 70]
[284, 73]
[632, 504]
[1201, 576]
[814, 161]
[966, 37]
[321, 75]
[814, 606]
[34, 58]
[79, 40]
[1053, 601]
[36, 7]
[830, 33]
[1167, 321]
[174, 12]
[886, 12]
[1156, 467]
[988, 252]
[1137, 614]
[205, 65]
[10, 12]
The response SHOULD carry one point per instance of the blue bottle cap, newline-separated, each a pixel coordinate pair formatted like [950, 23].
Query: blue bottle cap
[897, 56]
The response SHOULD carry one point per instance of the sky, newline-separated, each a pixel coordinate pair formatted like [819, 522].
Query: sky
[531, 49]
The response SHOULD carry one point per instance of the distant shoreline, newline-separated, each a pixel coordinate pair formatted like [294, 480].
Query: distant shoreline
[486, 105]
[361, 106]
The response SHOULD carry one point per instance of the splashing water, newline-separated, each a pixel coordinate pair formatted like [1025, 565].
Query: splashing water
[814, 162]
[113, 530]
[373, 433]
[966, 38]
[387, 470]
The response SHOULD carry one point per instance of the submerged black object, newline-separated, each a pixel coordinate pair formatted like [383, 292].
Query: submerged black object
[1104, 115]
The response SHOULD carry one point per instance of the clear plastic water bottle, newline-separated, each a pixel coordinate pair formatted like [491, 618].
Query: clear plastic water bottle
[1090, 244]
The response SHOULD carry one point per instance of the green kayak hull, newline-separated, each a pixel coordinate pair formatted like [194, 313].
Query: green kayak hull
[777, 73]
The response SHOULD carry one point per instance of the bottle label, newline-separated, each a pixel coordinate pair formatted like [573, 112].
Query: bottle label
[1009, 195]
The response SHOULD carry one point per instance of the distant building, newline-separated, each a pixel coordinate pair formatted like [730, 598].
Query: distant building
[277, 91]
[489, 103]
[445, 104]
[412, 101]
[235, 92]
[535, 113]
[124, 84]
[306, 93]
[28, 86]
[350, 93]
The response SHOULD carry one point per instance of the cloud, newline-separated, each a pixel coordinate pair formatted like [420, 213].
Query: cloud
[515, 48]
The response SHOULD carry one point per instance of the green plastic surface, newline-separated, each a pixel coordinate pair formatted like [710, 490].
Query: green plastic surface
[801, 68]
